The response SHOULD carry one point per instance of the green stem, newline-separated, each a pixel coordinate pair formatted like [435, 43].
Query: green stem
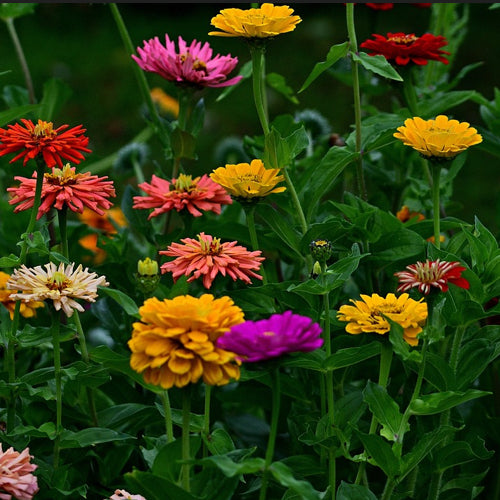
[186, 454]
[257, 54]
[206, 415]
[436, 170]
[57, 376]
[351, 32]
[139, 176]
[62, 216]
[250, 216]
[275, 411]
[409, 92]
[295, 201]
[169, 428]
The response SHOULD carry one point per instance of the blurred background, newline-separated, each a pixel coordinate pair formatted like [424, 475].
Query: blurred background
[80, 44]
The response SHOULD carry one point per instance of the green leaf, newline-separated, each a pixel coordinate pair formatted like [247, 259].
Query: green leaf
[219, 442]
[308, 360]
[129, 306]
[55, 94]
[381, 453]
[439, 104]
[15, 10]
[245, 72]
[351, 356]
[278, 83]
[400, 346]
[334, 54]
[284, 475]
[280, 151]
[154, 487]
[285, 231]
[348, 491]
[460, 452]
[430, 404]
[19, 112]
[377, 64]
[231, 468]
[91, 436]
[10, 261]
[183, 144]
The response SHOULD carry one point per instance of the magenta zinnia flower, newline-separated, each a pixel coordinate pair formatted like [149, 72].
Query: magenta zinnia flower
[16, 478]
[269, 338]
[424, 275]
[192, 65]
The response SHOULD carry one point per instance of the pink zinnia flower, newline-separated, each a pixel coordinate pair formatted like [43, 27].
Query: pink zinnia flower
[200, 193]
[16, 479]
[208, 257]
[424, 275]
[269, 338]
[125, 495]
[192, 65]
[63, 187]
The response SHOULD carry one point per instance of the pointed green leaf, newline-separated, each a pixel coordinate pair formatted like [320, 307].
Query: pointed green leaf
[154, 487]
[278, 83]
[430, 404]
[351, 356]
[55, 94]
[91, 436]
[377, 64]
[15, 10]
[381, 453]
[129, 306]
[284, 475]
[348, 491]
[18, 112]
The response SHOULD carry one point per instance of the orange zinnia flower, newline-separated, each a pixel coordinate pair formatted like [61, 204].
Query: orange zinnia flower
[64, 187]
[200, 193]
[27, 309]
[41, 139]
[208, 257]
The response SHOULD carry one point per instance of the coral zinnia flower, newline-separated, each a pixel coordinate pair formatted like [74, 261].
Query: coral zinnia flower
[174, 344]
[27, 309]
[405, 48]
[404, 215]
[64, 187]
[42, 139]
[425, 275]
[60, 284]
[125, 495]
[269, 338]
[16, 476]
[200, 193]
[192, 65]
[246, 181]
[438, 139]
[208, 257]
[369, 315]
[266, 21]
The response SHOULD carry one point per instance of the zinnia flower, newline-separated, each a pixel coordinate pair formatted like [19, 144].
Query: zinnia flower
[60, 284]
[269, 338]
[248, 181]
[405, 48]
[200, 193]
[404, 215]
[64, 188]
[166, 103]
[41, 139]
[174, 344]
[27, 309]
[266, 21]
[208, 257]
[369, 315]
[16, 478]
[438, 139]
[125, 495]
[424, 275]
[192, 65]
[380, 6]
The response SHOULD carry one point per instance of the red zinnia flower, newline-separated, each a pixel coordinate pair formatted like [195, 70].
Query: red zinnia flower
[200, 193]
[380, 6]
[41, 139]
[431, 273]
[64, 187]
[402, 48]
[208, 257]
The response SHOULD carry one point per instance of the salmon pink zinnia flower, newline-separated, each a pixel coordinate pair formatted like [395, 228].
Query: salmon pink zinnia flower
[191, 65]
[208, 257]
[53, 145]
[200, 193]
[16, 478]
[125, 495]
[63, 187]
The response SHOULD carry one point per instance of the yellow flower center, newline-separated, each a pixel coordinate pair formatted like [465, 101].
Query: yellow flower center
[184, 183]
[210, 247]
[44, 129]
[62, 177]
[403, 40]
[58, 281]
[268, 334]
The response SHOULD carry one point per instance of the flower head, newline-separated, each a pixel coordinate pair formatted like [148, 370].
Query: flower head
[269, 338]
[167, 104]
[125, 495]
[424, 275]
[200, 193]
[192, 65]
[247, 181]
[370, 313]
[404, 215]
[380, 6]
[266, 21]
[27, 309]
[174, 344]
[207, 257]
[64, 188]
[61, 284]
[53, 145]
[16, 478]
[404, 48]
[441, 138]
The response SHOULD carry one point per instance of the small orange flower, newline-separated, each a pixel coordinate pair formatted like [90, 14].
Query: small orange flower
[405, 215]
[27, 309]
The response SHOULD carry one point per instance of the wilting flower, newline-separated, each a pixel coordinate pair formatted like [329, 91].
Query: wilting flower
[16, 478]
[200, 193]
[370, 313]
[269, 338]
[166, 103]
[60, 284]
[405, 48]
[207, 257]
[53, 145]
[380, 6]
[438, 139]
[404, 215]
[248, 181]
[125, 495]
[64, 188]
[266, 21]
[27, 309]
[424, 275]
[191, 65]
[175, 342]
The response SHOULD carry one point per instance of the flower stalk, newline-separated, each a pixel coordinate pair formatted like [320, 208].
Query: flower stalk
[250, 216]
[436, 210]
[258, 65]
[167, 409]
[57, 377]
[186, 454]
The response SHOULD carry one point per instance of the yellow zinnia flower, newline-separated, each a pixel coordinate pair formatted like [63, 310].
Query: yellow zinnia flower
[266, 21]
[440, 138]
[27, 309]
[369, 315]
[248, 181]
[174, 344]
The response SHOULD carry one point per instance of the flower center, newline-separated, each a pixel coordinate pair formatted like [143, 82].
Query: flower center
[62, 177]
[268, 334]
[403, 40]
[184, 184]
[43, 130]
[209, 247]
[58, 281]
[250, 178]
[198, 64]
[427, 274]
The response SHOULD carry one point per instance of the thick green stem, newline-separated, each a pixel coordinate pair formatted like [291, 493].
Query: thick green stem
[409, 92]
[62, 216]
[436, 170]
[250, 216]
[295, 200]
[275, 412]
[206, 415]
[257, 54]
[57, 377]
[186, 453]
[169, 428]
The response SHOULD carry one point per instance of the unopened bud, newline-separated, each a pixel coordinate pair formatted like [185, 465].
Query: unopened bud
[321, 250]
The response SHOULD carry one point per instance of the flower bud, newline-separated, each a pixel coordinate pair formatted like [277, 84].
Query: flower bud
[321, 250]
[147, 276]
[147, 267]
